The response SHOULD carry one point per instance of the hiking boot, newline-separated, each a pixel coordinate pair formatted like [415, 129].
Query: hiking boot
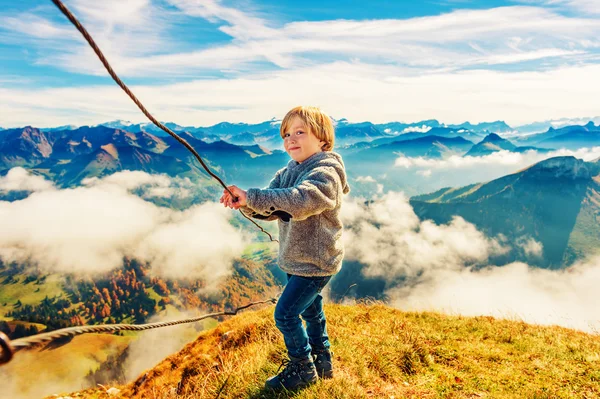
[298, 373]
[323, 364]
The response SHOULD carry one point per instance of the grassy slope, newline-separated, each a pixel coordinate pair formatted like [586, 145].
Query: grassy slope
[383, 352]
[584, 239]
[29, 294]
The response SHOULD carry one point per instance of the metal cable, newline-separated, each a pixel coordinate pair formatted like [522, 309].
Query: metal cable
[9, 347]
[137, 102]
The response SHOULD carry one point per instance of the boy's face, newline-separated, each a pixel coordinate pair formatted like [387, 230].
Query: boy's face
[299, 142]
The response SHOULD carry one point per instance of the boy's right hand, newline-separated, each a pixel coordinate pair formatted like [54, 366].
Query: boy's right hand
[228, 200]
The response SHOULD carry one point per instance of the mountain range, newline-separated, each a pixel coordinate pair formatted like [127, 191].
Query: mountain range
[266, 133]
[248, 153]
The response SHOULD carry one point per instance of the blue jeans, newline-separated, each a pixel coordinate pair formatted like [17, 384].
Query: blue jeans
[302, 297]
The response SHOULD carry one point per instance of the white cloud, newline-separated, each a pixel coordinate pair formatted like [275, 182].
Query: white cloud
[370, 92]
[531, 247]
[123, 30]
[116, 12]
[90, 229]
[457, 171]
[588, 6]
[515, 291]
[38, 27]
[584, 6]
[153, 346]
[388, 237]
[431, 267]
[372, 68]
[153, 186]
[420, 129]
[18, 179]
[513, 160]
[241, 25]
[130, 31]
[365, 179]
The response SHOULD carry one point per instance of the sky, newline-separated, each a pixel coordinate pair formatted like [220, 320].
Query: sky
[200, 62]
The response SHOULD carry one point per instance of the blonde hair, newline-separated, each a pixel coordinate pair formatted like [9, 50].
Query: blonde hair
[316, 120]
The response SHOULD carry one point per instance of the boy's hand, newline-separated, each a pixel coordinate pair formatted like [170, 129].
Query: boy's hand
[227, 200]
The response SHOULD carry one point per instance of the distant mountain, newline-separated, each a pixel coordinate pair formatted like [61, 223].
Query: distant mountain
[436, 132]
[570, 137]
[543, 126]
[428, 146]
[396, 128]
[494, 143]
[59, 128]
[490, 144]
[267, 134]
[148, 127]
[556, 202]
[23, 147]
[84, 140]
[68, 156]
[573, 137]
[350, 134]
[110, 158]
[485, 127]
[384, 155]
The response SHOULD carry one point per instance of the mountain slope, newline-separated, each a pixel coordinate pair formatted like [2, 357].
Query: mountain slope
[491, 143]
[382, 352]
[571, 137]
[424, 146]
[23, 147]
[110, 158]
[69, 156]
[436, 131]
[494, 143]
[494, 127]
[548, 201]
[88, 139]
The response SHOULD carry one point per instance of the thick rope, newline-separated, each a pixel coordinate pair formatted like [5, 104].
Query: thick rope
[9, 347]
[137, 102]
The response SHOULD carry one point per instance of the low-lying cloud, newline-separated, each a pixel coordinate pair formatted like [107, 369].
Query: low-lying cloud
[19, 179]
[149, 186]
[514, 160]
[424, 175]
[153, 346]
[89, 229]
[419, 129]
[515, 291]
[390, 240]
[447, 268]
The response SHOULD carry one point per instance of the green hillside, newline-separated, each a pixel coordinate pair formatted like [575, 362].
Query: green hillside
[556, 202]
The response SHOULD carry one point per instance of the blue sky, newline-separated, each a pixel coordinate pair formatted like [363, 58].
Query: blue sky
[198, 62]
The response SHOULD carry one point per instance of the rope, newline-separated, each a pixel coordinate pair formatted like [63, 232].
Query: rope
[9, 347]
[137, 102]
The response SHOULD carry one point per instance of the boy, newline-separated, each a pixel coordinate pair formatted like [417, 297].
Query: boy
[305, 197]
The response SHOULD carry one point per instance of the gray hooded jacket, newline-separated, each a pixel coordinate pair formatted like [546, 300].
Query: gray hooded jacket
[306, 199]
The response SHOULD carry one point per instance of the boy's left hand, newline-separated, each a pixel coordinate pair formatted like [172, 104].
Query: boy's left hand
[227, 200]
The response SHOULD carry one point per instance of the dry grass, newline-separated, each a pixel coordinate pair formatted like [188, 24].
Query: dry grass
[380, 352]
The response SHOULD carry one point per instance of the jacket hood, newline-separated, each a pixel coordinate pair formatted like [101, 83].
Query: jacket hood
[325, 158]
